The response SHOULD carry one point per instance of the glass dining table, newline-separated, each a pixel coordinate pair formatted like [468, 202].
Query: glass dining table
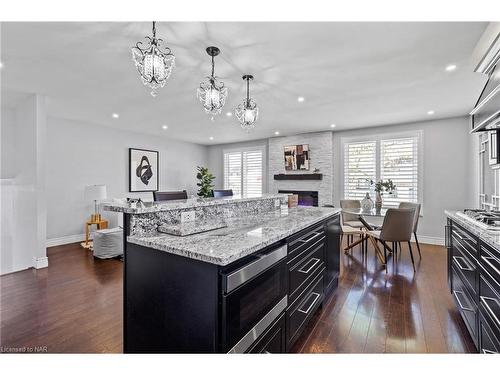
[361, 214]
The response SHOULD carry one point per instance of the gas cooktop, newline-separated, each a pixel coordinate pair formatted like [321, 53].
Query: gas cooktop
[489, 220]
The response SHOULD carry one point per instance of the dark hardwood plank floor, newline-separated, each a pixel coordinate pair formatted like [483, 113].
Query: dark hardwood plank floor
[75, 306]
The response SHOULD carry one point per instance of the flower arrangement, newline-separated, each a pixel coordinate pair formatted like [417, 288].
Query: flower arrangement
[382, 185]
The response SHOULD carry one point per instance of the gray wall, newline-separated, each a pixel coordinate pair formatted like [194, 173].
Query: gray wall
[81, 154]
[448, 182]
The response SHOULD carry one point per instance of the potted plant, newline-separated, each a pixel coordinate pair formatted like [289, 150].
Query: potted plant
[380, 186]
[205, 183]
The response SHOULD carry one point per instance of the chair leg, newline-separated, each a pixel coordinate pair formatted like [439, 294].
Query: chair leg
[385, 252]
[411, 255]
[418, 245]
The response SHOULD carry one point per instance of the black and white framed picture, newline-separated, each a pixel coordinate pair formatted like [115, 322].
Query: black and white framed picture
[143, 170]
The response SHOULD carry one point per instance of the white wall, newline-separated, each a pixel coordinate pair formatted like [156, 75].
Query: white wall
[81, 154]
[23, 216]
[447, 178]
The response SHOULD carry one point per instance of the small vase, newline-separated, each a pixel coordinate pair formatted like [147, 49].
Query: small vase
[378, 201]
[367, 203]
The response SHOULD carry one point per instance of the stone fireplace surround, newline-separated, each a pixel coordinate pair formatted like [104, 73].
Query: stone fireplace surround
[321, 157]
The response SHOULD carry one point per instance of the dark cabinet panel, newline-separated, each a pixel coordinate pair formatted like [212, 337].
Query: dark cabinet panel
[332, 249]
[272, 341]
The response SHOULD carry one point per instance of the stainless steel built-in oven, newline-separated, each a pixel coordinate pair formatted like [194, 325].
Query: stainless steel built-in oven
[254, 295]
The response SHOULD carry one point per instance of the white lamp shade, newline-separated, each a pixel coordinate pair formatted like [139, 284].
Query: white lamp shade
[95, 192]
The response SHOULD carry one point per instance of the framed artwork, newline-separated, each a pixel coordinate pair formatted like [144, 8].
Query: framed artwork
[143, 170]
[297, 158]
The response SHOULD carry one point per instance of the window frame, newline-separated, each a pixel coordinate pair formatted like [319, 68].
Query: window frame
[242, 150]
[377, 138]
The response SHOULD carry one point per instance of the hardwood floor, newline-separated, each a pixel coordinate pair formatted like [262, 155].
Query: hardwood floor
[75, 306]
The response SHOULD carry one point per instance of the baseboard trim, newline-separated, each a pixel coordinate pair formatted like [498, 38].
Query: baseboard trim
[42, 262]
[431, 240]
[65, 240]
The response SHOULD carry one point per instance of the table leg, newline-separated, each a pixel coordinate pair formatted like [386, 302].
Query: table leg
[350, 246]
[86, 234]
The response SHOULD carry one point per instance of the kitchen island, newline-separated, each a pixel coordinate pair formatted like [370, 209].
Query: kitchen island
[249, 283]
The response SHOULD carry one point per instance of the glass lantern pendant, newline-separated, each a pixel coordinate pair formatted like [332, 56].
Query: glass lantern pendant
[153, 64]
[247, 112]
[212, 93]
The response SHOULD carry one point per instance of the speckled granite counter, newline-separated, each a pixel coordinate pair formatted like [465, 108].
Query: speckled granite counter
[185, 204]
[492, 238]
[243, 235]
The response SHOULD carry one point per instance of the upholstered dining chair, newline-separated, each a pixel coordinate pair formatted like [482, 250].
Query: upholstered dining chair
[169, 195]
[397, 228]
[222, 193]
[416, 215]
[350, 223]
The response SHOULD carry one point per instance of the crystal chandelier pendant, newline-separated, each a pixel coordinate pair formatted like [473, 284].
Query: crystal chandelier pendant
[247, 112]
[153, 62]
[212, 94]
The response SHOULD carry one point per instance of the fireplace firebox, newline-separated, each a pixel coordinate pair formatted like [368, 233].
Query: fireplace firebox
[306, 198]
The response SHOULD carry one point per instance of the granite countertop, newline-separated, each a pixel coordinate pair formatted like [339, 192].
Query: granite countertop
[241, 237]
[149, 207]
[490, 237]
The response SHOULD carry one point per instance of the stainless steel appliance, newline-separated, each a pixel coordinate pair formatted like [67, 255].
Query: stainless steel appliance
[254, 296]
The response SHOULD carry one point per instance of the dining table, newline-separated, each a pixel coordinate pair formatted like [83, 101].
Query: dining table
[362, 214]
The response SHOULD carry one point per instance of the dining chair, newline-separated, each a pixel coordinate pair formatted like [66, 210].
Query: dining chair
[169, 195]
[350, 223]
[396, 228]
[222, 193]
[416, 207]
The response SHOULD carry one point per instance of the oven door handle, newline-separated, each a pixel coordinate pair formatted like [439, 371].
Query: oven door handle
[245, 273]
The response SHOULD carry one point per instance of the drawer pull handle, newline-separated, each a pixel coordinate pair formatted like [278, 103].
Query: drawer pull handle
[316, 234]
[458, 259]
[486, 351]
[463, 238]
[314, 263]
[266, 352]
[485, 301]
[488, 261]
[455, 292]
[317, 295]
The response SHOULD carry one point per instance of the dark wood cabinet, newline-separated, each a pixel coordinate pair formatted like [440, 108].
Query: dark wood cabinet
[474, 279]
[332, 254]
[273, 340]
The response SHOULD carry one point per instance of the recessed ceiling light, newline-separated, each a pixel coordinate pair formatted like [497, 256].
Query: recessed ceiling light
[211, 138]
[431, 112]
[276, 133]
[300, 99]
[332, 125]
[229, 114]
[1, 65]
[115, 115]
[451, 67]
[165, 127]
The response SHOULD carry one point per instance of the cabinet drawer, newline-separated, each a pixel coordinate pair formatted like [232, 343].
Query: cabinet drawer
[490, 262]
[465, 241]
[273, 340]
[489, 341]
[301, 271]
[466, 270]
[299, 313]
[466, 305]
[305, 239]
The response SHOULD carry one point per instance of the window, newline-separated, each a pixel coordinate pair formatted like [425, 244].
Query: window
[383, 157]
[243, 171]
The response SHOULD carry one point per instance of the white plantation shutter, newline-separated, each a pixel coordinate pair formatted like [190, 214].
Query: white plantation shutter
[243, 171]
[359, 168]
[232, 172]
[252, 173]
[399, 162]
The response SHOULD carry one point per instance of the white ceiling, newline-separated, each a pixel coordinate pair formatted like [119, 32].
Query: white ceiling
[351, 74]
